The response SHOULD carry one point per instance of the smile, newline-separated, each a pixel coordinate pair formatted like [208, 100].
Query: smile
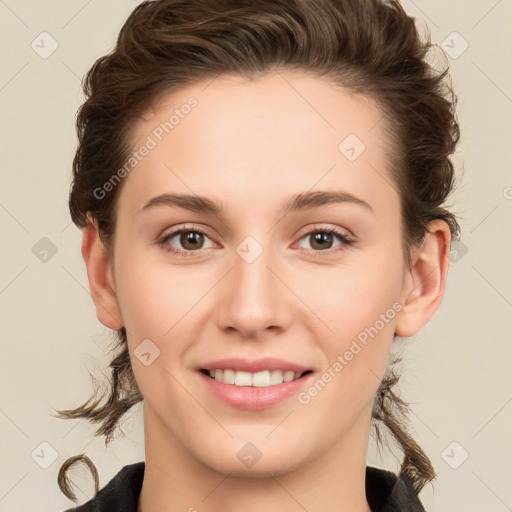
[260, 379]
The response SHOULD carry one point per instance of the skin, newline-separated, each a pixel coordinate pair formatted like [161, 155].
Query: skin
[252, 145]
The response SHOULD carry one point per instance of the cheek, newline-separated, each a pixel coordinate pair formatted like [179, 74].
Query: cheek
[157, 304]
[155, 297]
[161, 304]
[351, 298]
[356, 359]
[360, 307]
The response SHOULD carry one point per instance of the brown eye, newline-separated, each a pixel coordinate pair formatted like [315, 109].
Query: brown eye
[191, 240]
[321, 240]
[185, 241]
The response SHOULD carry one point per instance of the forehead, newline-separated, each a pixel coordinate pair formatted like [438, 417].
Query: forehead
[282, 97]
[277, 132]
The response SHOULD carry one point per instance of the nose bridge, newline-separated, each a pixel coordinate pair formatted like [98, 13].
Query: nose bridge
[253, 300]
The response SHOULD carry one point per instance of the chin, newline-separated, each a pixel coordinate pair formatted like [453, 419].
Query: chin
[249, 462]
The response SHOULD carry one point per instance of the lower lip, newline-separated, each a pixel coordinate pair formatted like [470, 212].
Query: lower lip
[253, 398]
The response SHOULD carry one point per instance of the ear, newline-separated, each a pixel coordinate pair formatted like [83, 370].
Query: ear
[425, 281]
[101, 282]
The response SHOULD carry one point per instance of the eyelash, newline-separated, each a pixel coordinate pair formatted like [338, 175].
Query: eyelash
[342, 237]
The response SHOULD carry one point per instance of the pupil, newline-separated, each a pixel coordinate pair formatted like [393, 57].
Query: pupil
[191, 238]
[322, 237]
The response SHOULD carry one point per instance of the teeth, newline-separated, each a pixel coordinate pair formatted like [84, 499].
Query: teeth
[259, 379]
[228, 376]
[241, 378]
[276, 377]
[288, 376]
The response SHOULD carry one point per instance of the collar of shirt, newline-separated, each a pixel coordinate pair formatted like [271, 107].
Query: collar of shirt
[385, 492]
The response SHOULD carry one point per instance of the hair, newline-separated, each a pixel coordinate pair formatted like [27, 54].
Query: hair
[371, 47]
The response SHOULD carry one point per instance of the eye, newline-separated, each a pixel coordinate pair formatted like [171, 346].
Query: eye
[190, 239]
[322, 239]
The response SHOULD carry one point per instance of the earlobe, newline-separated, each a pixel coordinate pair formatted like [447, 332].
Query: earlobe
[425, 281]
[101, 282]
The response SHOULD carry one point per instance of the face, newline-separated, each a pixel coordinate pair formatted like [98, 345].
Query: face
[285, 254]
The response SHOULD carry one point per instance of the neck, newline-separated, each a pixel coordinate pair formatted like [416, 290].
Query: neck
[176, 481]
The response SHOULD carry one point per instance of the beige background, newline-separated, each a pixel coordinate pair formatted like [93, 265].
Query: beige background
[457, 370]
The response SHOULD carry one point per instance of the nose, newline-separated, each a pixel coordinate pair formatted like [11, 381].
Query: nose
[253, 299]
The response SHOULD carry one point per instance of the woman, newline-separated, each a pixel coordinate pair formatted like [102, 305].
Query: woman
[260, 187]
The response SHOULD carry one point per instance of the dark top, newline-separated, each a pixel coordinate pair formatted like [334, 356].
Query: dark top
[385, 492]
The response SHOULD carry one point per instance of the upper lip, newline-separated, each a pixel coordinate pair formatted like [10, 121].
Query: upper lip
[254, 365]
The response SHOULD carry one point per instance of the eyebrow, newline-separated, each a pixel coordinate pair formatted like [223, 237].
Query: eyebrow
[298, 202]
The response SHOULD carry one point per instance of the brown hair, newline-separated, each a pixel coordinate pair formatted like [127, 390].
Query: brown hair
[370, 46]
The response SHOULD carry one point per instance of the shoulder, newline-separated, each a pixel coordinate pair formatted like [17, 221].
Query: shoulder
[387, 492]
[121, 494]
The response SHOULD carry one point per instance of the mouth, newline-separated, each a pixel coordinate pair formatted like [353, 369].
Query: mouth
[260, 379]
[254, 384]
